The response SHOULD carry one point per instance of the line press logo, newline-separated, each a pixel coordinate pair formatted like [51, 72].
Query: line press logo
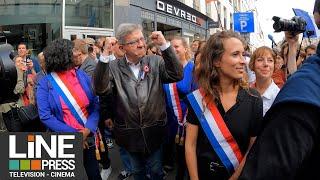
[42, 155]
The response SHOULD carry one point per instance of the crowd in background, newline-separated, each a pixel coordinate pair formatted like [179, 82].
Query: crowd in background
[155, 98]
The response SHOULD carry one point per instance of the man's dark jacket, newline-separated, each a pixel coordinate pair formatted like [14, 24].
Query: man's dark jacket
[88, 66]
[139, 104]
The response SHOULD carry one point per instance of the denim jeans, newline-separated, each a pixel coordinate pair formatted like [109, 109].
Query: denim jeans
[141, 161]
[124, 155]
[107, 133]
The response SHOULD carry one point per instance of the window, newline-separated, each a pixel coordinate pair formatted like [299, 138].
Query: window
[196, 5]
[208, 10]
[93, 13]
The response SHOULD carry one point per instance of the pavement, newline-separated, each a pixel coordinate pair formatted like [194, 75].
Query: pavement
[117, 165]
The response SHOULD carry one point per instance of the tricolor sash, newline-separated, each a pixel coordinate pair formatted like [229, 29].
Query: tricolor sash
[174, 100]
[174, 103]
[216, 131]
[68, 98]
[75, 109]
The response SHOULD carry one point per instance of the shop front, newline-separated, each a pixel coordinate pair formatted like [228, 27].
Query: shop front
[171, 17]
[37, 23]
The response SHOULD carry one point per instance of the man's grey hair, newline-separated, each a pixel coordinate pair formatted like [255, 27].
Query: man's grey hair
[124, 29]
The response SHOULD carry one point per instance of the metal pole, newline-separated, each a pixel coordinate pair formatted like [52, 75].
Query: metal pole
[63, 17]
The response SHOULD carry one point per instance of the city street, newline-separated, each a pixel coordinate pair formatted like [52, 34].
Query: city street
[117, 165]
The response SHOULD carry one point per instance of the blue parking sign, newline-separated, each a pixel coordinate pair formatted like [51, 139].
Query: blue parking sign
[243, 22]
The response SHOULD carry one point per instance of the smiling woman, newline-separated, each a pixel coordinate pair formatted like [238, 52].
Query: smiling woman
[224, 98]
[262, 62]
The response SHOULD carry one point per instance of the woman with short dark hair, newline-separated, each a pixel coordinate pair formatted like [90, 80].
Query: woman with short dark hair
[66, 102]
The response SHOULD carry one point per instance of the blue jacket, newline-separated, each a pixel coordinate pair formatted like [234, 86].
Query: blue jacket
[304, 85]
[50, 110]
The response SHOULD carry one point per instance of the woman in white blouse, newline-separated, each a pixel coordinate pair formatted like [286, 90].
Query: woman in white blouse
[262, 62]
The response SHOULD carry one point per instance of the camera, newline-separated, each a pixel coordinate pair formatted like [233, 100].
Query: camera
[8, 74]
[296, 25]
[90, 48]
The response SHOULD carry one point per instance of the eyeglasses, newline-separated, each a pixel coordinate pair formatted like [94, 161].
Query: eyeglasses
[135, 42]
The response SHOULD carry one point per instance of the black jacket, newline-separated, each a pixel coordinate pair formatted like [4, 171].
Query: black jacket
[139, 104]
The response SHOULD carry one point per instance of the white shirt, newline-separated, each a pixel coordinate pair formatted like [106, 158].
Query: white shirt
[135, 68]
[269, 96]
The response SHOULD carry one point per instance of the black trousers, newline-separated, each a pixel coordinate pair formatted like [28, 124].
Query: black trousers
[105, 161]
[12, 121]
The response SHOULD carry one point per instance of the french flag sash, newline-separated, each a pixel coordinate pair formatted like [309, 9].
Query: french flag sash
[216, 131]
[174, 101]
[68, 98]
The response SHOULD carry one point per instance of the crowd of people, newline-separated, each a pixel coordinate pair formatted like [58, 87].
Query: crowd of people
[210, 110]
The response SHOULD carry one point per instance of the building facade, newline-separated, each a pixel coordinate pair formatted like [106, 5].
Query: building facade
[171, 17]
[221, 11]
[38, 22]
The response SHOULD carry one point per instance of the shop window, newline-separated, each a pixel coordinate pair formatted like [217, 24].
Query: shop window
[33, 22]
[93, 13]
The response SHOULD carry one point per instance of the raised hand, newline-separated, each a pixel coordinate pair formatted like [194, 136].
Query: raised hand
[157, 38]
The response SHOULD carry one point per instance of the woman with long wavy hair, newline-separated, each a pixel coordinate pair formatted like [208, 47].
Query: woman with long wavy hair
[224, 114]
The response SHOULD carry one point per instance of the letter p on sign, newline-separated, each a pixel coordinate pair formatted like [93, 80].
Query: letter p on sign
[243, 24]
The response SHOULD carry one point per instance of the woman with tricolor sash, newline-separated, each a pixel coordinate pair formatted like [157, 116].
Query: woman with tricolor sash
[224, 114]
[176, 111]
[66, 102]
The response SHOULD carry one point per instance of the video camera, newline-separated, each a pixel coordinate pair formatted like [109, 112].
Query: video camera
[296, 25]
[8, 74]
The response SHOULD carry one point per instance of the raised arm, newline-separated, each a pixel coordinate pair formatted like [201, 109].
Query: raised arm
[170, 68]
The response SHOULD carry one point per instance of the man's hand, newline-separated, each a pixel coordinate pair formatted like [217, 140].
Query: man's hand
[109, 46]
[157, 38]
[108, 123]
[291, 38]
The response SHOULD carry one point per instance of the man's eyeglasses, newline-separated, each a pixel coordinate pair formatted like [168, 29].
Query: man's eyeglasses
[135, 42]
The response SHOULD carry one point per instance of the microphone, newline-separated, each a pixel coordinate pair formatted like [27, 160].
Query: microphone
[271, 39]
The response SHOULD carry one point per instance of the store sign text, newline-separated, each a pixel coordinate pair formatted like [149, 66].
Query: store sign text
[168, 8]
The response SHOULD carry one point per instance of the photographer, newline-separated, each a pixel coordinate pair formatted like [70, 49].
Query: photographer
[288, 148]
[10, 110]
[23, 53]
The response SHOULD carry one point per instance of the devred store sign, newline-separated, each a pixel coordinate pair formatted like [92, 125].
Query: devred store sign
[170, 9]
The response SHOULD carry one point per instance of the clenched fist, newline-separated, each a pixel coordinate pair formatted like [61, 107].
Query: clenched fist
[157, 38]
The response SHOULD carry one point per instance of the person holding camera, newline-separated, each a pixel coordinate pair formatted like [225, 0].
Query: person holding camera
[288, 147]
[10, 110]
[23, 52]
